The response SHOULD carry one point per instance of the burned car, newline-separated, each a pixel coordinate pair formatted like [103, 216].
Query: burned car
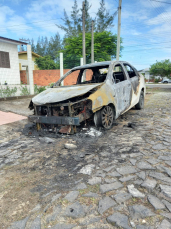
[102, 91]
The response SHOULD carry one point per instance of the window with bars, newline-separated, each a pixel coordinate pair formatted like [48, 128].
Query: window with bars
[4, 60]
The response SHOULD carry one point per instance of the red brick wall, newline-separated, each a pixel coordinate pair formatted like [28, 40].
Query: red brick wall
[45, 77]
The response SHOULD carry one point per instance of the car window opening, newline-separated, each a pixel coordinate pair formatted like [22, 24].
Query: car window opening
[118, 74]
[89, 75]
[130, 71]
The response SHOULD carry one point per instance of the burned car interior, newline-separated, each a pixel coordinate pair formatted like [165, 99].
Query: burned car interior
[92, 95]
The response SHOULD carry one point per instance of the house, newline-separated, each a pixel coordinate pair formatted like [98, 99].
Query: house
[23, 61]
[146, 73]
[9, 63]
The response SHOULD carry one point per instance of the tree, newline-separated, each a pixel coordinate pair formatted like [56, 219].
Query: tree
[54, 47]
[45, 63]
[73, 23]
[161, 68]
[104, 20]
[104, 48]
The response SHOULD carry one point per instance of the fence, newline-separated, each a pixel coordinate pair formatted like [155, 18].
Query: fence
[46, 77]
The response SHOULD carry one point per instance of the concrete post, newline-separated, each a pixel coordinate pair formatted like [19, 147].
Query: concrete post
[81, 61]
[61, 67]
[30, 69]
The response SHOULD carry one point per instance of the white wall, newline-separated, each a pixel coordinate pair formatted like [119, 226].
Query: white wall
[25, 62]
[10, 75]
[18, 92]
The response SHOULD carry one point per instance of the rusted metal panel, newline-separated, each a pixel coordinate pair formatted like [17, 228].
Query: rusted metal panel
[55, 120]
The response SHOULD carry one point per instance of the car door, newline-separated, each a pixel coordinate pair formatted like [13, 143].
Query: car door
[122, 89]
[134, 79]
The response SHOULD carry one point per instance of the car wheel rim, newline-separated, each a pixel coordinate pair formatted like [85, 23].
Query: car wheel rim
[107, 117]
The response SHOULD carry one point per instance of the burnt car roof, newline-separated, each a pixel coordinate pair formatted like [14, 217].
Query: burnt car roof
[98, 64]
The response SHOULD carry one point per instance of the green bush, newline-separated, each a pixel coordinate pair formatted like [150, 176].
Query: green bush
[8, 92]
[39, 89]
[156, 80]
[24, 90]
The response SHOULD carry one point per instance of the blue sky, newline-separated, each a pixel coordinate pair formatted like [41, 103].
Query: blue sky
[145, 24]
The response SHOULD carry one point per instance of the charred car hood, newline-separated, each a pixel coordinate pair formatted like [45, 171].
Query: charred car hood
[54, 95]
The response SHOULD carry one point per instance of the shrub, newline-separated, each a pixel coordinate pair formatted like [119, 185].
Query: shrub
[39, 89]
[24, 90]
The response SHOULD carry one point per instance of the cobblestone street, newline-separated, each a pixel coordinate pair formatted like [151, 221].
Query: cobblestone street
[121, 179]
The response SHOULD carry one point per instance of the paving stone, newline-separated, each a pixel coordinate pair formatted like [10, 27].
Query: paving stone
[138, 181]
[19, 224]
[81, 186]
[46, 140]
[159, 147]
[95, 180]
[144, 165]
[90, 221]
[126, 170]
[149, 184]
[160, 176]
[135, 192]
[63, 226]
[168, 163]
[114, 174]
[166, 190]
[164, 225]
[110, 180]
[87, 169]
[37, 208]
[144, 227]
[153, 161]
[56, 197]
[100, 173]
[141, 175]
[36, 224]
[109, 187]
[75, 210]
[109, 168]
[165, 158]
[124, 179]
[132, 155]
[91, 194]
[166, 214]
[52, 217]
[157, 204]
[140, 212]
[71, 196]
[133, 161]
[120, 220]
[121, 197]
[167, 204]
[105, 204]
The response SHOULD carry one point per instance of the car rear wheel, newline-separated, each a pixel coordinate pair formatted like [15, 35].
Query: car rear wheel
[140, 104]
[104, 117]
[165, 82]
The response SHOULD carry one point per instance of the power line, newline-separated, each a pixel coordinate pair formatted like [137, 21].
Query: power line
[160, 1]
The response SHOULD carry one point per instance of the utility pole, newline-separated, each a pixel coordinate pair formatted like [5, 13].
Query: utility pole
[84, 48]
[92, 42]
[119, 30]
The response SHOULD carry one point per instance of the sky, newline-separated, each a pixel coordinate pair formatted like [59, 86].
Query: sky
[145, 24]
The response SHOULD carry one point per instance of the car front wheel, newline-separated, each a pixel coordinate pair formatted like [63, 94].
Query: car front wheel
[140, 104]
[104, 117]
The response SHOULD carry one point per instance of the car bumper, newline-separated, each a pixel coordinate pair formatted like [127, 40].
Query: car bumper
[54, 120]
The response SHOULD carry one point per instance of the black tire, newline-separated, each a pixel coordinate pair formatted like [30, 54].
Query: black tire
[104, 117]
[165, 82]
[140, 104]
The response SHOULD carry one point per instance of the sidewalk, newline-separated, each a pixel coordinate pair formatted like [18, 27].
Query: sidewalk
[8, 117]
